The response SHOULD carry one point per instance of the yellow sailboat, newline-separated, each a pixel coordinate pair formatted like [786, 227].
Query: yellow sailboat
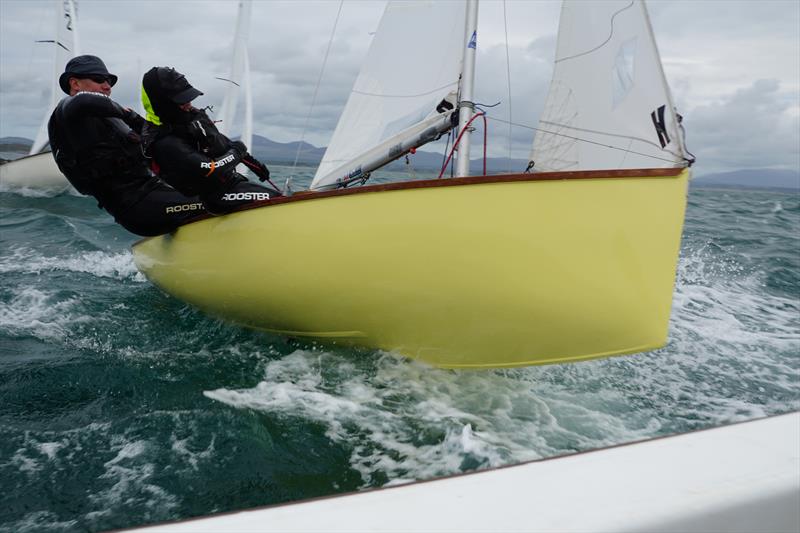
[467, 272]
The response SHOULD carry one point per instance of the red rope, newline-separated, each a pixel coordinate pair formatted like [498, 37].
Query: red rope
[458, 140]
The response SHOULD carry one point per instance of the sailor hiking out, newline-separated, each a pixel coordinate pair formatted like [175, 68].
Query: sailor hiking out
[189, 151]
[97, 146]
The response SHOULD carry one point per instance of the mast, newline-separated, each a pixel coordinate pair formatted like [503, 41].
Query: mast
[466, 105]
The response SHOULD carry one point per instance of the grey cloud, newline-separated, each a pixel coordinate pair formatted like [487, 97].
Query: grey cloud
[714, 53]
[752, 127]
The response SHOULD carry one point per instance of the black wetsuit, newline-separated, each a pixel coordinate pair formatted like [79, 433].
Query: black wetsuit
[96, 146]
[196, 159]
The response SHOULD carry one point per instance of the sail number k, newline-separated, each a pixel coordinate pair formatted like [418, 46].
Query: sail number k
[660, 125]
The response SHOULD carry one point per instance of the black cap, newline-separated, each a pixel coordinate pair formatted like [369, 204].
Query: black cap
[168, 83]
[83, 66]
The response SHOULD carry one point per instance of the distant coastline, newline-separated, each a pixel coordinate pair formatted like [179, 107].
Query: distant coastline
[308, 155]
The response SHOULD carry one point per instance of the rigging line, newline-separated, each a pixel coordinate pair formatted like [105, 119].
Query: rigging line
[406, 95]
[596, 132]
[316, 89]
[226, 79]
[54, 42]
[594, 142]
[508, 77]
[611, 34]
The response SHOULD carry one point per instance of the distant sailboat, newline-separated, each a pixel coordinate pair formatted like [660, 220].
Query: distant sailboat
[38, 170]
[239, 80]
[573, 262]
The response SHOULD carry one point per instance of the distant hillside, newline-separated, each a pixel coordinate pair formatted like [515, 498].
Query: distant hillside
[15, 145]
[760, 178]
[275, 152]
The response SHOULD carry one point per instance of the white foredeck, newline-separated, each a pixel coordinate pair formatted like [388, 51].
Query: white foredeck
[742, 477]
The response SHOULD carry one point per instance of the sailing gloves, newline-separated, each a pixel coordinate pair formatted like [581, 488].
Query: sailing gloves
[240, 148]
[256, 167]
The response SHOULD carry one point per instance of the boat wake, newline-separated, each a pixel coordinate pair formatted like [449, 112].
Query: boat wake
[731, 356]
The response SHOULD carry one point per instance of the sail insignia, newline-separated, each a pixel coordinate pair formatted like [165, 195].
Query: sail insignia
[623, 73]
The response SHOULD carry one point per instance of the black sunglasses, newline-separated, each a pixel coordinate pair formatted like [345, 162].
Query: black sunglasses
[97, 78]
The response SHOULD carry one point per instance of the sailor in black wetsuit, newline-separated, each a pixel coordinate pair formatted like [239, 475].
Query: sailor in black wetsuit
[96, 146]
[189, 151]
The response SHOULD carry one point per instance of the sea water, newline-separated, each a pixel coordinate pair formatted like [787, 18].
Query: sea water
[122, 406]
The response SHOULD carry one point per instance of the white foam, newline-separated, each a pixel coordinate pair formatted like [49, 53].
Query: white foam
[130, 473]
[33, 312]
[118, 265]
[405, 420]
[181, 447]
[38, 521]
[33, 192]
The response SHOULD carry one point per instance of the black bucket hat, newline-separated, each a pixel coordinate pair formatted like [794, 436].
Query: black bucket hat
[85, 65]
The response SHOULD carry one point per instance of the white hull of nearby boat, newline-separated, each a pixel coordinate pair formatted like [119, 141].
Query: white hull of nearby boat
[741, 477]
[35, 172]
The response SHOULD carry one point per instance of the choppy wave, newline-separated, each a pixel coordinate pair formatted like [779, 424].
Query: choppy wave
[117, 265]
[121, 405]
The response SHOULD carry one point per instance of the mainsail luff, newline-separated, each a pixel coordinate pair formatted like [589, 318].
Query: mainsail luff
[627, 119]
[65, 45]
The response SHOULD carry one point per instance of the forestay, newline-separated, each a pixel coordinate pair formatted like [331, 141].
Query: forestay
[413, 63]
[609, 105]
[65, 45]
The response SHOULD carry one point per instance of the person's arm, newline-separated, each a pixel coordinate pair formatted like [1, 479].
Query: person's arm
[177, 155]
[99, 105]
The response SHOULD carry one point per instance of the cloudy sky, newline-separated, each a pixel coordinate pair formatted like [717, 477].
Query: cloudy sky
[734, 66]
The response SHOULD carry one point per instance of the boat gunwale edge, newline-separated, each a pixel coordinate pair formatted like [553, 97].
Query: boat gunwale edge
[670, 172]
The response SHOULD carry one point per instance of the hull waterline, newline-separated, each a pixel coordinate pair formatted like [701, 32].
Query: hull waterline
[499, 271]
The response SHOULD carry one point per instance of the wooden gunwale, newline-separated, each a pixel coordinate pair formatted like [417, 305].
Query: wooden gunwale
[454, 182]
[496, 178]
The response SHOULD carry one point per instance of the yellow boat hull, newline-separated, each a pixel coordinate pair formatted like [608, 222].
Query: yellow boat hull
[470, 273]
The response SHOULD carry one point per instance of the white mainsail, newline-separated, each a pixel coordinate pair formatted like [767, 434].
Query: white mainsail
[609, 105]
[413, 63]
[65, 45]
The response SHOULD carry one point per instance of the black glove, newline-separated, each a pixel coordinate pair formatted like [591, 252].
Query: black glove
[256, 167]
[239, 147]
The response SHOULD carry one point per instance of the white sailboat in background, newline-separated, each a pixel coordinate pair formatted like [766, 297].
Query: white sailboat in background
[485, 271]
[38, 170]
[239, 80]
